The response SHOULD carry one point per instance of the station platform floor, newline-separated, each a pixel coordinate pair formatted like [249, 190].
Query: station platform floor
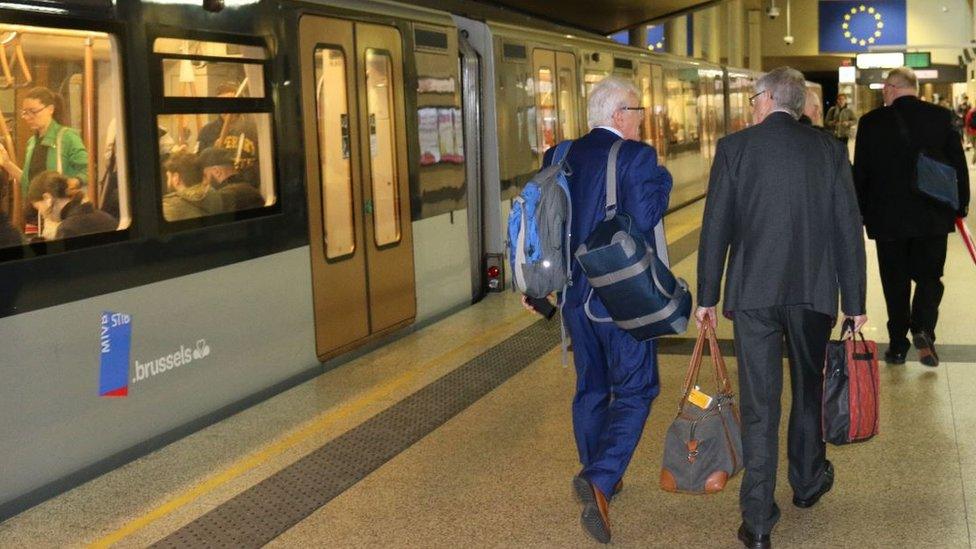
[459, 434]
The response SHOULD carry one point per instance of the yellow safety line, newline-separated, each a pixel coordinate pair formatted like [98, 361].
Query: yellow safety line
[276, 448]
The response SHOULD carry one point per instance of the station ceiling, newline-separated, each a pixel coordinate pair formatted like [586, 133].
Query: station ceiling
[601, 17]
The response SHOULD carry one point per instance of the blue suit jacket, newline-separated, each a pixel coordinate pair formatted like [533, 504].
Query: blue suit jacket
[643, 188]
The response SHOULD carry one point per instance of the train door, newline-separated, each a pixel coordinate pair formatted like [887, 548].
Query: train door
[555, 91]
[471, 103]
[356, 167]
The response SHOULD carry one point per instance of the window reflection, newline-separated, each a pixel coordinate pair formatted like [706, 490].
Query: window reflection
[382, 152]
[332, 109]
[190, 78]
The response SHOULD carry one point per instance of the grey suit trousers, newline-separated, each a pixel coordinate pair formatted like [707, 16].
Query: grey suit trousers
[759, 336]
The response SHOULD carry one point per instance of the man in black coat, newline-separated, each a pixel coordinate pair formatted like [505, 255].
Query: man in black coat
[910, 230]
[781, 205]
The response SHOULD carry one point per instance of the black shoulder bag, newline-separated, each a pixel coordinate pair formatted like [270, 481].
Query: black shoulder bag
[932, 179]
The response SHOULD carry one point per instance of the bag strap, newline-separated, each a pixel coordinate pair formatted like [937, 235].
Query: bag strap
[520, 246]
[903, 128]
[612, 180]
[57, 145]
[561, 151]
[694, 367]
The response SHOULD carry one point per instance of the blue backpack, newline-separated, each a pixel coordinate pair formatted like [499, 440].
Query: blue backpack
[538, 230]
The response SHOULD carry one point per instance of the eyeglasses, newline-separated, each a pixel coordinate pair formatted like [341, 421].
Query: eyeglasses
[752, 100]
[639, 109]
[30, 113]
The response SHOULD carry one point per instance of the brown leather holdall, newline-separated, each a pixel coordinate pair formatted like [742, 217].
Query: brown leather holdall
[703, 446]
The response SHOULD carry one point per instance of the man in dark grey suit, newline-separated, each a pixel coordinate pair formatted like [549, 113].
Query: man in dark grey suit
[781, 203]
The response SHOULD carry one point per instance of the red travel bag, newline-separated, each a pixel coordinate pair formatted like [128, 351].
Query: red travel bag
[850, 390]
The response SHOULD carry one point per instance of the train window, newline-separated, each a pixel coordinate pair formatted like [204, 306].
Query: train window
[647, 101]
[545, 102]
[382, 147]
[440, 186]
[590, 79]
[682, 93]
[660, 111]
[215, 145]
[568, 91]
[516, 120]
[332, 110]
[199, 48]
[567, 107]
[186, 78]
[62, 142]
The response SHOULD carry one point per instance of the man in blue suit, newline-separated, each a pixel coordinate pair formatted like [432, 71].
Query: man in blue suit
[616, 375]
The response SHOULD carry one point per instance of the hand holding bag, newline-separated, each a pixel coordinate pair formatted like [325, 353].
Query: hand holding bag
[850, 393]
[703, 446]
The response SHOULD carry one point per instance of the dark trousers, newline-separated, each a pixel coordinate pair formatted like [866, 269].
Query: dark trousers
[901, 262]
[759, 336]
[616, 380]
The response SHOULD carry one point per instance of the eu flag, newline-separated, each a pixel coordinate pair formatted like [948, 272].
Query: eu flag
[655, 37]
[847, 27]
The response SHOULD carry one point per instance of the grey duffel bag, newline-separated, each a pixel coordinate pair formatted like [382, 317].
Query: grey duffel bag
[703, 446]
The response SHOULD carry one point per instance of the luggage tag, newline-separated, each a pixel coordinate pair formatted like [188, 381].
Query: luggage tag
[700, 399]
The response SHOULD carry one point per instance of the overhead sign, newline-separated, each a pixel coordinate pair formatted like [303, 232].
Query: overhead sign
[883, 60]
[918, 59]
[847, 26]
[927, 74]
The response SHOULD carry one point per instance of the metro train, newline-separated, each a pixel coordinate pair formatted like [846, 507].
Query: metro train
[382, 144]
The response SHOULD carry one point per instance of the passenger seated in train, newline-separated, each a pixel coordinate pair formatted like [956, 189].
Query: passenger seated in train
[49, 194]
[220, 168]
[43, 112]
[241, 196]
[236, 132]
[9, 236]
[189, 195]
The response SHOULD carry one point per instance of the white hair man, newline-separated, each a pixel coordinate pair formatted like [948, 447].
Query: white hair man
[781, 206]
[616, 374]
[911, 231]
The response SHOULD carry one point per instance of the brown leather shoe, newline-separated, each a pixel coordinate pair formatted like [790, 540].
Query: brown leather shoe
[596, 516]
[582, 488]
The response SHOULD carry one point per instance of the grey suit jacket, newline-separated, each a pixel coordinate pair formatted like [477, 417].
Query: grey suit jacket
[781, 204]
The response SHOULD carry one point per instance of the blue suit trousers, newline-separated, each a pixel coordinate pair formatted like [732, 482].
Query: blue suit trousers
[616, 380]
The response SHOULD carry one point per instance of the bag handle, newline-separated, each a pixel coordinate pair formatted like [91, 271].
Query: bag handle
[694, 367]
[612, 180]
[847, 332]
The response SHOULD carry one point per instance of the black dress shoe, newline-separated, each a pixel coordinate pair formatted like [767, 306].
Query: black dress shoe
[595, 517]
[752, 540]
[894, 357]
[926, 349]
[827, 485]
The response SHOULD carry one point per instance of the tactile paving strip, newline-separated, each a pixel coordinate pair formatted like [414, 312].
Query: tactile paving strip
[267, 509]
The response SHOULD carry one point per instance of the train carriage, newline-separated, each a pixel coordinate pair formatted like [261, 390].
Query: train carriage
[374, 148]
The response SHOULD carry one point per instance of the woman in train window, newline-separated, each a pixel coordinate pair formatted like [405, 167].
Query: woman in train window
[54, 146]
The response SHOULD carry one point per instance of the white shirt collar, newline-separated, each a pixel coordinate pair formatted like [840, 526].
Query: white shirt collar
[782, 110]
[610, 129]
